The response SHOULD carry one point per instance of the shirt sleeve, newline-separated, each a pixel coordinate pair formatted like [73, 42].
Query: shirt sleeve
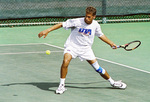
[71, 23]
[98, 31]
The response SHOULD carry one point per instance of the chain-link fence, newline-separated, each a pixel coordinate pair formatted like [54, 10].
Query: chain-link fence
[59, 10]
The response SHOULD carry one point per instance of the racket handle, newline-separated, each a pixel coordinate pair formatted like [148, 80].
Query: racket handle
[117, 46]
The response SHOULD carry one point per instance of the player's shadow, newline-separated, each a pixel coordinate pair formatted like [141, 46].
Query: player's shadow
[41, 85]
[48, 86]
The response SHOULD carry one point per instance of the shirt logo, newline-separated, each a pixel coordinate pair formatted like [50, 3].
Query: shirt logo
[86, 32]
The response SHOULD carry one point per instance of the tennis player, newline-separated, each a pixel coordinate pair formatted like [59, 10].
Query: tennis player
[79, 45]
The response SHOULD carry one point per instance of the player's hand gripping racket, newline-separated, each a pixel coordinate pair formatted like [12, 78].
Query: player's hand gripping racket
[131, 45]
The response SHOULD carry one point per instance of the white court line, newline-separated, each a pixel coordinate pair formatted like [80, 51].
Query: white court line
[34, 52]
[123, 65]
[17, 53]
[62, 51]
[21, 44]
[108, 61]
[54, 46]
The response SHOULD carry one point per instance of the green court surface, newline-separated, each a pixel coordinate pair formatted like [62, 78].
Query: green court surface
[27, 74]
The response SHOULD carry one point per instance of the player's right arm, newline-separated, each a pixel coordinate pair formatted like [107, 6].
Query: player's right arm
[45, 32]
[109, 42]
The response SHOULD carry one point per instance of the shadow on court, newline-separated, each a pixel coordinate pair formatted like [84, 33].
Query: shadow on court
[48, 86]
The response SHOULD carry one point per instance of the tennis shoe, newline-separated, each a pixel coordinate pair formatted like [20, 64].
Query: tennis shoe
[119, 84]
[61, 89]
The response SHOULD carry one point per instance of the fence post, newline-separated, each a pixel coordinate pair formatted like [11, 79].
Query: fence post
[104, 11]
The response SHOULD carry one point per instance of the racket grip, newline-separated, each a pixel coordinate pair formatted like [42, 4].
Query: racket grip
[117, 46]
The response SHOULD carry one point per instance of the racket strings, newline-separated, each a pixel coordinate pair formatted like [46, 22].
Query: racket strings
[133, 45]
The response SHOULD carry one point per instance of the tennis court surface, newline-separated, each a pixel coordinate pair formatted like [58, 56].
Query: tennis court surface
[29, 75]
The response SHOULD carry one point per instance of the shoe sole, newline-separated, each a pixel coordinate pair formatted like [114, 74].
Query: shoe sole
[123, 84]
[60, 92]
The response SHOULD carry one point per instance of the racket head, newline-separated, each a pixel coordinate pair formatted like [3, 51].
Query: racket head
[132, 45]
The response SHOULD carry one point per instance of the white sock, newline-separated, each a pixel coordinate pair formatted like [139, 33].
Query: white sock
[62, 81]
[111, 81]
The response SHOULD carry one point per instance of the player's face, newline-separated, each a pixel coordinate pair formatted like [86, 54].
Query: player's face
[89, 18]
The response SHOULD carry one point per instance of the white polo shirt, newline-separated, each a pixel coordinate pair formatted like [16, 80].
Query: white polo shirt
[82, 34]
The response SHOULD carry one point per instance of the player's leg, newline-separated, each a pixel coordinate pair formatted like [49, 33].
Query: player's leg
[63, 73]
[99, 69]
[64, 67]
[105, 75]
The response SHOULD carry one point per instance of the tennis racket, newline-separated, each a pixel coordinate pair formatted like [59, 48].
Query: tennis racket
[131, 45]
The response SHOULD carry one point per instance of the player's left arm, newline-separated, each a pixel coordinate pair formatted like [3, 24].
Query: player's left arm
[109, 42]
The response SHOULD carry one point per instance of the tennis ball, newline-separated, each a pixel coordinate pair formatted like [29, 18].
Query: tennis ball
[48, 52]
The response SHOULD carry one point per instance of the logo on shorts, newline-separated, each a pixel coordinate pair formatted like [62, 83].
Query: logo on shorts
[86, 32]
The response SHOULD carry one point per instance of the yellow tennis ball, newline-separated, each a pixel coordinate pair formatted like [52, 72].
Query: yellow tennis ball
[48, 52]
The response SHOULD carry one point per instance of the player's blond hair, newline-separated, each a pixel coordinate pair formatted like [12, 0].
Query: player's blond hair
[91, 10]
